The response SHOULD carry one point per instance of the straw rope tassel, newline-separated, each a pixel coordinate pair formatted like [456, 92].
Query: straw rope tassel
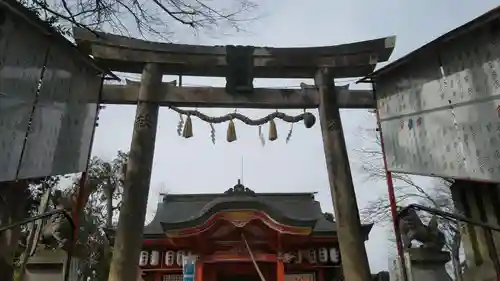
[188, 128]
[231, 132]
[273, 133]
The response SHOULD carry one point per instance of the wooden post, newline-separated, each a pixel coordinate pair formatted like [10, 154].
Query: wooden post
[124, 264]
[199, 271]
[352, 249]
[320, 272]
[280, 271]
[158, 275]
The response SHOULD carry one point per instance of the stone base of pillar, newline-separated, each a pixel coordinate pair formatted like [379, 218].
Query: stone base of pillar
[484, 272]
[49, 265]
[6, 270]
[381, 276]
[428, 265]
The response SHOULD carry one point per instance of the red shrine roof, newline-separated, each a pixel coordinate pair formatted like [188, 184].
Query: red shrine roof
[293, 213]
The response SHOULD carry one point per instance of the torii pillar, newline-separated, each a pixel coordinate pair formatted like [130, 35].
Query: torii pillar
[127, 245]
[351, 243]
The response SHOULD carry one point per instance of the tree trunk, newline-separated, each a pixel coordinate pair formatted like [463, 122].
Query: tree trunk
[108, 189]
[128, 240]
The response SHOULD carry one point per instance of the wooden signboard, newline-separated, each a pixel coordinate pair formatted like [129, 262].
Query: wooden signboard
[299, 277]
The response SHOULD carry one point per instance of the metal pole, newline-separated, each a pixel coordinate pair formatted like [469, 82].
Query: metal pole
[448, 216]
[391, 193]
[32, 111]
[351, 242]
[38, 217]
[128, 240]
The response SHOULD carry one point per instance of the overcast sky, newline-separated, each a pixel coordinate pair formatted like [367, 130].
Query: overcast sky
[195, 165]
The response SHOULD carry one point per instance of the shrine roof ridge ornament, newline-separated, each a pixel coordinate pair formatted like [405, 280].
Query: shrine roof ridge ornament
[121, 53]
[239, 190]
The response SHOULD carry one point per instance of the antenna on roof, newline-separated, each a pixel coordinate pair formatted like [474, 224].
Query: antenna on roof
[241, 177]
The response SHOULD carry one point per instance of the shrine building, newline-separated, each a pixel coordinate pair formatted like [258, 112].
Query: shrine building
[242, 235]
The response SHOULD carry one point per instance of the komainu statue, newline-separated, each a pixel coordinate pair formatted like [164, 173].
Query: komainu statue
[58, 230]
[412, 228]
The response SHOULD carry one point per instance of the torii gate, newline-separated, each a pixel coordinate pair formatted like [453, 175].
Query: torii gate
[154, 60]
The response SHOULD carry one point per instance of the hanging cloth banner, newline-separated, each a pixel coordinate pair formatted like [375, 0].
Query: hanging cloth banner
[188, 268]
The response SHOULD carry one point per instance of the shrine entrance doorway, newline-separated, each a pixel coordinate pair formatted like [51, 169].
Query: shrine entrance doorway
[244, 271]
[240, 277]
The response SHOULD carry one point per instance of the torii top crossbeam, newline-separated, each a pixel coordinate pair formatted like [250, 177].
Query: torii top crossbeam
[125, 54]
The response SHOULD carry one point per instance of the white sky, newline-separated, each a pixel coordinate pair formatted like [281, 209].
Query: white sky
[197, 166]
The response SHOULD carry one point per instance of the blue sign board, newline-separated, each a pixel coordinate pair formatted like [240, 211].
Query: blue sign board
[188, 268]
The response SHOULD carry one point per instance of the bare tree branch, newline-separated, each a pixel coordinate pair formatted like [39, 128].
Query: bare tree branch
[437, 195]
[158, 18]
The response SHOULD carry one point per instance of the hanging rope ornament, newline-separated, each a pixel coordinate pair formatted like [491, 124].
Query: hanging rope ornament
[261, 137]
[308, 118]
[188, 128]
[180, 125]
[212, 132]
[273, 133]
[289, 136]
